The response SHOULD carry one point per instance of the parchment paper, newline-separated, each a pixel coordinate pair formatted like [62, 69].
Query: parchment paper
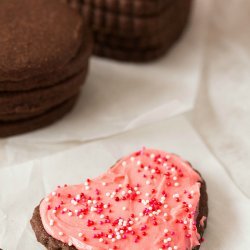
[25, 185]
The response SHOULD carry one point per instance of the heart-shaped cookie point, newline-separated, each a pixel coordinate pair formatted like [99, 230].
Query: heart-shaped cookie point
[150, 200]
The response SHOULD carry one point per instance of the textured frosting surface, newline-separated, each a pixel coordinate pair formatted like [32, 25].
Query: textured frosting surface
[147, 200]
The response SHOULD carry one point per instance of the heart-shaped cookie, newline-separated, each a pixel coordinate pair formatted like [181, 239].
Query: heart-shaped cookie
[149, 200]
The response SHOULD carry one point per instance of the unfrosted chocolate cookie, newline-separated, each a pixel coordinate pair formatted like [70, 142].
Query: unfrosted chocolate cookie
[75, 65]
[30, 124]
[18, 103]
[129, 7]
[37, 37]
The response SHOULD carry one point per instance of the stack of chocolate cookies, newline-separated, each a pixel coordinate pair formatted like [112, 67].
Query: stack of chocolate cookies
[44, 52]
[136, 30]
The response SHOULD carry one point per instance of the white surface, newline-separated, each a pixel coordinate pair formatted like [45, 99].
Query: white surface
[25, 185]
[213, 56]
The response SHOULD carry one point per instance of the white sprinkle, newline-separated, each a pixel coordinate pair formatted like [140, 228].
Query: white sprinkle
[124, 208]
[69, 213]
[175, 247]
[80, 216]
[153, 171]
[135, 188]
[47, 199]
[132, 158]
[146, 168]
[147, 194]
[54, 211]
[60, 233]
[124, 163]
[152, 156]
[169, 248]
[123, 192]
[165, 214]
[175, 178]
[120, 185]
[86, 183]
[94, 202]
[176, 184]
[141, 214]
[102, 216]
[121, 231]
[104, 183]
[118, 237]
[165, 230]
[165, 206]
[107, 194]
[70, 243]
[130, 191]
[113, 240]
[138, 163]
[105, 206]
[110, 236]
[190, 205]
[87, 188]
[138, 192]
[129, 228]
[53, 193]
[80, 234]
[65, 209]
[51, 222]
[148, 182]
[136, 218]
[101, 240]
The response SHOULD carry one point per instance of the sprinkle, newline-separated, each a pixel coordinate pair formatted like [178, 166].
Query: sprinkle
[80, 234]
[124, 163]
[51, 222]
[60, 233]
[148, 182]
[124, 208]
[104, 183]
[107, 194]
[53, 193]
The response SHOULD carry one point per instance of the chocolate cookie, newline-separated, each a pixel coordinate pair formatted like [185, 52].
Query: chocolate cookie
[37, 37]
[129, 7]
[74, 4]
[105, 21]
[159, 201]
[75, 65]
[18, 103]
[24, 126]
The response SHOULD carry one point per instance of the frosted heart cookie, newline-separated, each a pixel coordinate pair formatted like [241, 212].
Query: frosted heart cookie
[148, 200]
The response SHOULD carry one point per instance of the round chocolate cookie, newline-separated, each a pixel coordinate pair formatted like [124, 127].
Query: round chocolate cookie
[137, 39]
[75, 65]
[37, 37]
[35, 101]
[47, 118]
[129, 7]
[105, 21]
[74, 4]
[176, 206]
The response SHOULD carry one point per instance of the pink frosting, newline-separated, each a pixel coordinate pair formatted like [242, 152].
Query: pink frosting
[148, 200]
